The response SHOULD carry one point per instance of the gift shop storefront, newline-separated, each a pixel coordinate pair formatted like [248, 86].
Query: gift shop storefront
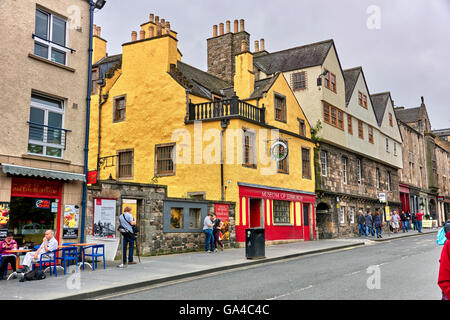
[286, 215]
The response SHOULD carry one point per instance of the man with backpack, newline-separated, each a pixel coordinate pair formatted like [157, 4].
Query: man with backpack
[127, 222]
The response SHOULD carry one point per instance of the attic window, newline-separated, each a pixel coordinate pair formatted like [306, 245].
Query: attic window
[299, 81]
[330, 81]
[362, 99]
[280, 108]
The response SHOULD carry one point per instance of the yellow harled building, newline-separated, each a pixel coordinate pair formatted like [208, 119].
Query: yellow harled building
[155, 119]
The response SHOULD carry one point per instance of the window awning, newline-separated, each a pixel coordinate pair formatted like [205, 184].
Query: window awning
[41, 173]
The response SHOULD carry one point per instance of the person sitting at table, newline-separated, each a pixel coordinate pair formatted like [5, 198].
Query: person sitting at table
[8, 244]
[49, 243]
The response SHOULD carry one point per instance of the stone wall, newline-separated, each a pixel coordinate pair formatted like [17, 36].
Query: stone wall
[150, 215]
[353, 194]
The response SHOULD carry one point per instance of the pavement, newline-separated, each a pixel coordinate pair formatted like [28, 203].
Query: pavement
[155, 270]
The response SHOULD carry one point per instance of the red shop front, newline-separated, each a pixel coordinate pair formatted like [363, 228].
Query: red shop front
[284, 214]
[34, 208]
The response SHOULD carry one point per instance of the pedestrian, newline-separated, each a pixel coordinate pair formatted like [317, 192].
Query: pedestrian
[49, 244]
[395, 222]
[208, 230]
[377, 223]
[414, 220]
[361, 223]
[369, 224]
[444, 268]
[408, 221]
[127, 222]
[404, 220]
[419, 216]
[217, 226]
[8, 244]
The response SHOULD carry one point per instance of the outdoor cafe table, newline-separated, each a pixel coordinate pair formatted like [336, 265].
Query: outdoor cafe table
[80, 245]
[17, 252]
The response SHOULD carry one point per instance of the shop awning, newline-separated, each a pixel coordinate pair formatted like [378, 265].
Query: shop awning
[41, 173]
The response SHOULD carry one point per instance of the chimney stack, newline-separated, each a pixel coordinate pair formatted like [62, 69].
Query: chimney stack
[152, 17]
[242, 25]
[244, 46]
[133, 36]
[228, 30]
[99, 31]
[221, 29]
[256, 46]
[262, 45]
[158, 30]
[236, 26]
[163, 22]
[95, 30]
[167, 27]
[214, 30]
[141, 34]
[157, 19]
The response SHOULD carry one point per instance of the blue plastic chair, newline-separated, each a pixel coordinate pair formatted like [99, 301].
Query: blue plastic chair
[68, 255]
[49, 259]
[94, 254]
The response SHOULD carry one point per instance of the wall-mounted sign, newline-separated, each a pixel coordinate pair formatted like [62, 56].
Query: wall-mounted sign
[279, 150]
[91, 177]
[382, 197]
[70, 226]
[104, 218]
[43, 204]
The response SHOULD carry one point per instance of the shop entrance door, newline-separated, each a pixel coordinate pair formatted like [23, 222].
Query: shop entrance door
[255, 213]
[306, 235]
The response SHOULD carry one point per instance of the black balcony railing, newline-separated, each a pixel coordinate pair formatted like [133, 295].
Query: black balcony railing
[224, 109]
[47, 135]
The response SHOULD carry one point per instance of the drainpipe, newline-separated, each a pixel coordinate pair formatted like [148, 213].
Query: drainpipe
[88, 114]
[224, 124]
[100, 104]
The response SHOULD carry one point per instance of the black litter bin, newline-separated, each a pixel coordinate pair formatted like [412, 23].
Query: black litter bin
[255, 247]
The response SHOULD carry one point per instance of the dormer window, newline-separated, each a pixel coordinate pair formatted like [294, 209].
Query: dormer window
[330, 81]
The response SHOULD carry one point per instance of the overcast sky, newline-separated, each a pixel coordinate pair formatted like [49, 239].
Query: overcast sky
[406, 51]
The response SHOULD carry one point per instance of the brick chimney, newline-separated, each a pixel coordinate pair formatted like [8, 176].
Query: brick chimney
[223, 47]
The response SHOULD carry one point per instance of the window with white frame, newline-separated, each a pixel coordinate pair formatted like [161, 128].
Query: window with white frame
[359, 170]
[352, 215]
[46, 133]
[50, 38]
[342, 214]
[344, 169]
[323, 163]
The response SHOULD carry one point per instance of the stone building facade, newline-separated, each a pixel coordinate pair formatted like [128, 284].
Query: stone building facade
[424, 179]
[340, 201]
[155, 236]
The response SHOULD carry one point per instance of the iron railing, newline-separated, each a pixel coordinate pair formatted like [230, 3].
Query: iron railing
[224, 109]
[47, 135]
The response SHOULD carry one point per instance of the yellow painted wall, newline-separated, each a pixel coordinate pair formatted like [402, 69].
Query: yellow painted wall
[99, 47]
[155, 112]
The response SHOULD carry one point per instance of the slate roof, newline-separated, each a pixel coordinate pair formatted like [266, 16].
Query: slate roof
[350, 77]
[262, 86]
[379, 103]
[408, 115]
[108, 63]
[200, 82]
[306, 56]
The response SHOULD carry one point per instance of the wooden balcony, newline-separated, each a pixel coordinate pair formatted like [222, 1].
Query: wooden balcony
[225, 109]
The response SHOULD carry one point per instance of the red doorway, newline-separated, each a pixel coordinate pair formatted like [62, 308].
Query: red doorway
[255, 213]
[306, 235]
